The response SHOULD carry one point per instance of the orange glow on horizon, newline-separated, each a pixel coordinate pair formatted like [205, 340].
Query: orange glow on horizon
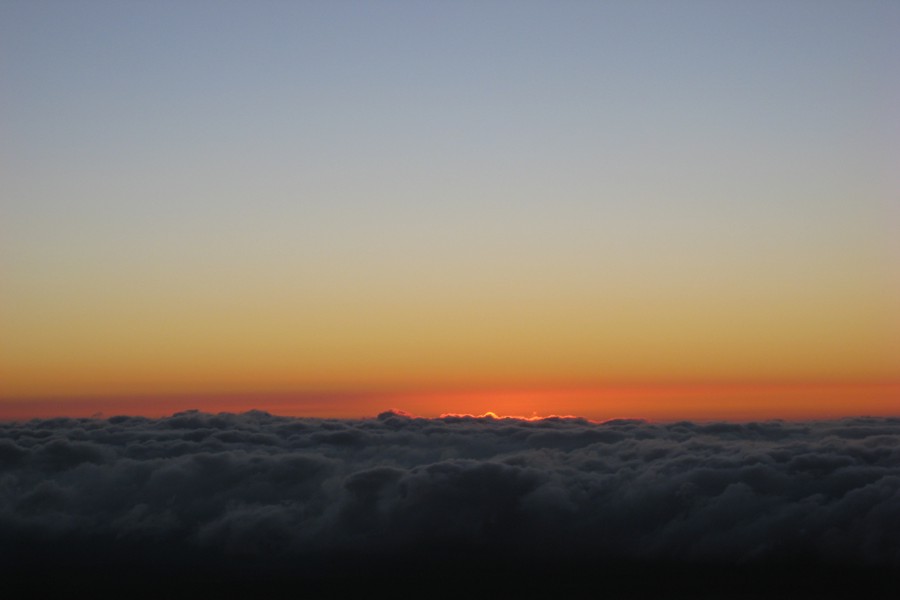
[736, 402]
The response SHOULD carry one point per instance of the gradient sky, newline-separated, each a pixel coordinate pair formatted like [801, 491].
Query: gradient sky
[356, 199]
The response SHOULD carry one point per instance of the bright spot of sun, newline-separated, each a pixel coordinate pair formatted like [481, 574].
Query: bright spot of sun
[492, 415]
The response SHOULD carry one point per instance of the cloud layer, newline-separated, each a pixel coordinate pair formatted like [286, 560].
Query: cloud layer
[276, 493]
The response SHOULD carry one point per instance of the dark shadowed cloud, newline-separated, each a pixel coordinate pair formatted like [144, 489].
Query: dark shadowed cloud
[313, 496]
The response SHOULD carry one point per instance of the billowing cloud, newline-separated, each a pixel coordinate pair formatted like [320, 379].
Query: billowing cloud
[312, 496]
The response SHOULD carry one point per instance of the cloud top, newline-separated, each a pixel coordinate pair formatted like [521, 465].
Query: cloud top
[280, 492]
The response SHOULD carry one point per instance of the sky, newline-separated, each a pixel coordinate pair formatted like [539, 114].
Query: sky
[651, 209]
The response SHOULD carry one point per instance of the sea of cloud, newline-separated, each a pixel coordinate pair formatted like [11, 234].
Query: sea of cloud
[258, 489]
